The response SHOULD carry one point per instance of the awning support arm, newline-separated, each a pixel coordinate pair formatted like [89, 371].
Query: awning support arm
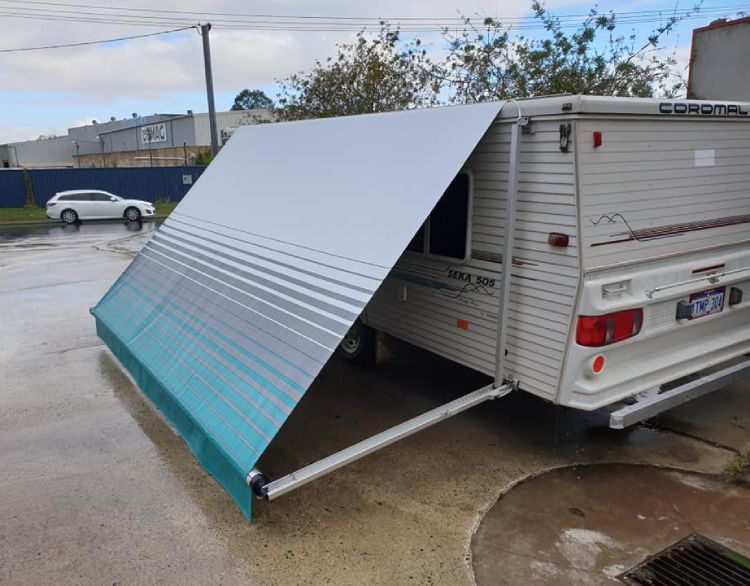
[511, 206]
[261, 487]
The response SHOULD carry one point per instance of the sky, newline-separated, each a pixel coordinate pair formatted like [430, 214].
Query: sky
[45, 92]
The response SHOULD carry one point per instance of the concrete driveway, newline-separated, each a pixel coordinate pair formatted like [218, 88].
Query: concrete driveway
[96, 488]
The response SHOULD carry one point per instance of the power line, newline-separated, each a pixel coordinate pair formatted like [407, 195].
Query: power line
[261, 22]
[306, 23]
[81, 44]
[350, 18]
[330, 27]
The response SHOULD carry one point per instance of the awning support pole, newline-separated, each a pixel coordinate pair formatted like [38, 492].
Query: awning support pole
[508, 243]
[271, 490]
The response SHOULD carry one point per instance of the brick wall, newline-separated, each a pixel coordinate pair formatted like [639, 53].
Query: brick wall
[163, 157]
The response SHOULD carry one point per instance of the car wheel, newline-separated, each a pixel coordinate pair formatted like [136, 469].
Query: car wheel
[132, 214]
[69, 216]
[358, 345]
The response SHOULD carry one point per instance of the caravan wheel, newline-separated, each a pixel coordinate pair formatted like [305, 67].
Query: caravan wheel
[358, 345]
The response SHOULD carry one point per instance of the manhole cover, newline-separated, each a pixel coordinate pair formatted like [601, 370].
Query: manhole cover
[694, 561]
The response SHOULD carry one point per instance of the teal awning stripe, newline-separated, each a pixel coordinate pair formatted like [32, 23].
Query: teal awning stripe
[210, 306]
[207, 449]
[192, 394]
[297, 389]
[179, 331]
[193, 352]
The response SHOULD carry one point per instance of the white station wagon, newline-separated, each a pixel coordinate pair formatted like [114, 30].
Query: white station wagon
[91, 204]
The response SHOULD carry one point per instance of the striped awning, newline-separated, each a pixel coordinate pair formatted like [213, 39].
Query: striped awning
[229, 313]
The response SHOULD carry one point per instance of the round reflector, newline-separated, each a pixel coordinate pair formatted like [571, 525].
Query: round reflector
[598, 364]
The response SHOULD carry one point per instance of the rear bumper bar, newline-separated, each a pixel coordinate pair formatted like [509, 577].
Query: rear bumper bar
[657, 403]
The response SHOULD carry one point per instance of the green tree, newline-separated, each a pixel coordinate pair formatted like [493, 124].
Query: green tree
[487, 63]
[30, 201]
[372, 74]
[251, 99]
[203, 158]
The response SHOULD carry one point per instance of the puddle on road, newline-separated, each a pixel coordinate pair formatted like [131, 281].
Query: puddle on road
[67, 235]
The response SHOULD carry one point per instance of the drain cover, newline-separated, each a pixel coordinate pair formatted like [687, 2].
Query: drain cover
[694, 561]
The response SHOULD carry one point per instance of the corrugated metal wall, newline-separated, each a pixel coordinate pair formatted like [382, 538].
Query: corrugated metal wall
[12, 191]
[544, 281]
[147, 183]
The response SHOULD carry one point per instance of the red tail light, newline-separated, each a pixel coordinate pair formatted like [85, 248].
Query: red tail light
[600, 330]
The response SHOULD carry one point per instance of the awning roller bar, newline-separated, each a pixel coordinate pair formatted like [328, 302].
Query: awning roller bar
[271, 490]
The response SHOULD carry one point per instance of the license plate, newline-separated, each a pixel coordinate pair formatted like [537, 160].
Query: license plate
[707, 302]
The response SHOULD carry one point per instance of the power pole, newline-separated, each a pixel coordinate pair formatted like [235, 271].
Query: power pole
[104, 157]
[149, 135]
[210, 89]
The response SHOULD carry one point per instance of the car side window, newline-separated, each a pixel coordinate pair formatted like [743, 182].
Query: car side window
[80, 197]
[99, 197]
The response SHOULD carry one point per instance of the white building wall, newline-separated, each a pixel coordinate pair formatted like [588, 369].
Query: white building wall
[225, 121]
[719, 62]
[48, 152]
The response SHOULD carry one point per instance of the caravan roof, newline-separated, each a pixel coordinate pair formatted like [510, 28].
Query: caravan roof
[580, 104]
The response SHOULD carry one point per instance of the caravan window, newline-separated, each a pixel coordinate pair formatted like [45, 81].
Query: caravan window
[417, 243]
[446, 231]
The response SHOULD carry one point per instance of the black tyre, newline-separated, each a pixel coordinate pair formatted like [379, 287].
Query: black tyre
[69, 216]
[358, 345]
[132, 214]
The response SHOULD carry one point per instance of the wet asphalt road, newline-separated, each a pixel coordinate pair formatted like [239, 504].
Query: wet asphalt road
[96, 488]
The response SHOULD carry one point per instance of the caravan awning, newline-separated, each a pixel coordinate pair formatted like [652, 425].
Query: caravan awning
[229, 313]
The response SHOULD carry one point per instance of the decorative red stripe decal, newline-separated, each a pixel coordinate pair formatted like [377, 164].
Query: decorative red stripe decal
[675, 229]
[708, 269]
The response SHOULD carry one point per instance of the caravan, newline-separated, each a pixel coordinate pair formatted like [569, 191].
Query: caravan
[624, 226]
[631, 250]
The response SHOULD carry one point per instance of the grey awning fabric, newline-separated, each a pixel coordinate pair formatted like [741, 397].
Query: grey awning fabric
[231, 310]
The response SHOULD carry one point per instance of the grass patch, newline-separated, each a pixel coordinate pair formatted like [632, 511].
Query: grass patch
[163, 208]
[737, 466]
[22, 214]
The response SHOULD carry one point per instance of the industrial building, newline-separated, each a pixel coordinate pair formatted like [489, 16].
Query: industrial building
[718, 61]
[157, 140]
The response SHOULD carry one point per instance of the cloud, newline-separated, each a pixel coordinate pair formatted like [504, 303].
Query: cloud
[147, 68]
[56, 88]
[20, 132]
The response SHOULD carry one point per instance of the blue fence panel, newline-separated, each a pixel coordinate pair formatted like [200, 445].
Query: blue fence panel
[12, 190]
[147, 183]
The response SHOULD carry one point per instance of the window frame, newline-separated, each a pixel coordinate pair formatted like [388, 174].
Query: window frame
[75, 197]
[469, 228]
[107, 197]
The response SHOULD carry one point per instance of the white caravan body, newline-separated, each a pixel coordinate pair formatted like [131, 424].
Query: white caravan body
[653, 199]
